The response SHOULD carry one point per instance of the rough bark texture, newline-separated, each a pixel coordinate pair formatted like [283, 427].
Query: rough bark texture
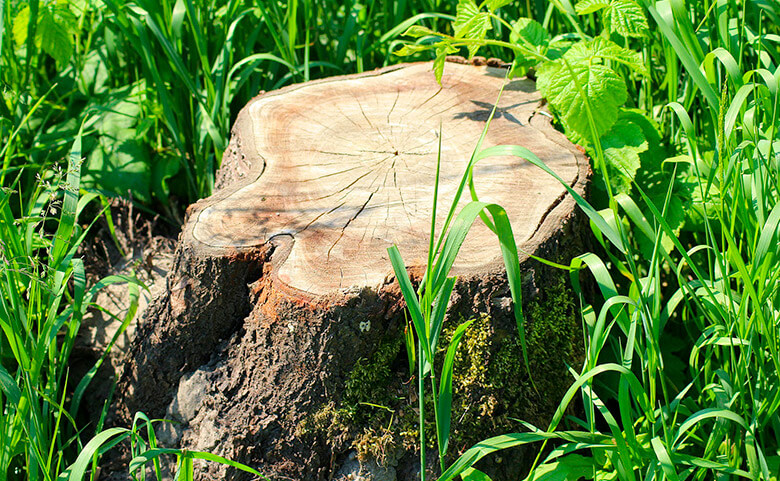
[274, 369]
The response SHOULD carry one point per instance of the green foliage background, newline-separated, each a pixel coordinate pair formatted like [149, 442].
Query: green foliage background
[676, 102]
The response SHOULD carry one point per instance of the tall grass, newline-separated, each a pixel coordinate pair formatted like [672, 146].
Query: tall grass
[681, 375]
[171, 76]
[44, 298]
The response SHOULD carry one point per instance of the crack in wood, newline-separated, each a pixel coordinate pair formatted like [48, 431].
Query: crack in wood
[349, 170]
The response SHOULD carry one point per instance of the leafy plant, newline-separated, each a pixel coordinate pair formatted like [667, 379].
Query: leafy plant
[582, 81]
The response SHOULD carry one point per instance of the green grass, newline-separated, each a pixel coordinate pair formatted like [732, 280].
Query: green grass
[169, 78]
[681, 375]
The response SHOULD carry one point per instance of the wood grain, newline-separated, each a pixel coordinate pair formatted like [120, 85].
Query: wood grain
[346, 167]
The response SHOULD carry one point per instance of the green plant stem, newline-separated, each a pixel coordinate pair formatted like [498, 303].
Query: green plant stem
[439, 441]
[421, 404]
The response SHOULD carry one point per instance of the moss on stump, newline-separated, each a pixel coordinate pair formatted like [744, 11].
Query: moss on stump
[377, 415]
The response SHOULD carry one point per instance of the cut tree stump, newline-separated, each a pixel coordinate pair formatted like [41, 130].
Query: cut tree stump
[282, 293]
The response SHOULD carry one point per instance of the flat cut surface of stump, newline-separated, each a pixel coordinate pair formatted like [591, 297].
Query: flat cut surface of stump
[346, 167]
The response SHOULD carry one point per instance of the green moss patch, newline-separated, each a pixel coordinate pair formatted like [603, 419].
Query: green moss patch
[378, 414]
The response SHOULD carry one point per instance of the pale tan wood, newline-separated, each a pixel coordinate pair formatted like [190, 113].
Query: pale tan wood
[347, 168]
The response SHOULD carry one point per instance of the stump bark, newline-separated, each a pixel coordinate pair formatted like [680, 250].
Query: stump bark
[281, 294]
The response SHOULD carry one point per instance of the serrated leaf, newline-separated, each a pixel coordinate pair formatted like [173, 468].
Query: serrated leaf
[78, 7]
[602, 49]
[417, 31]
[411, 49]
[529, 32]
[471, 23]
[622, 146]
[627, 18]
[586, 7]
[494, 5]
[569, 87]
[442, 50]
[21, 23]
[53, 34]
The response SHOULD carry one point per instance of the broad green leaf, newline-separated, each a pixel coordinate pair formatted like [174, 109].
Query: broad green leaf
[120, 166]
[417, 31]
[530, 32]
[601, 49]
[78, 7]
[627, 18]
[21, 22]
[94, 73]
[442, 50]
[120, 161]
[53, 34]
[471, 23]
[581, 92]
[567, 468]
[622, 146]
[164, 167]
[411, 49]
[586, 7]
[494, 5]
[583, 89]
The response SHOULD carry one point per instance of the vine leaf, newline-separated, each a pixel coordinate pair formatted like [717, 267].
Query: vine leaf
[417, 31]
[622, 146]
[54, 31]
[582, 88]
[494, 5]
[529, 32]
[471, 23]
[586, 7]
[442, 50]
[625, 17]
[603, 49]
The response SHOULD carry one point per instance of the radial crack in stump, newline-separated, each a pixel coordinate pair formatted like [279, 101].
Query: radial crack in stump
[282, 281]
[347, 168]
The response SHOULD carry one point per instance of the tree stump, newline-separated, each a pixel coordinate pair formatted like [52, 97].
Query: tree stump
[281, 329]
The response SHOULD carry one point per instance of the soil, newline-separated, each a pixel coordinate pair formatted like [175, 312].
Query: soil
[141, 245]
